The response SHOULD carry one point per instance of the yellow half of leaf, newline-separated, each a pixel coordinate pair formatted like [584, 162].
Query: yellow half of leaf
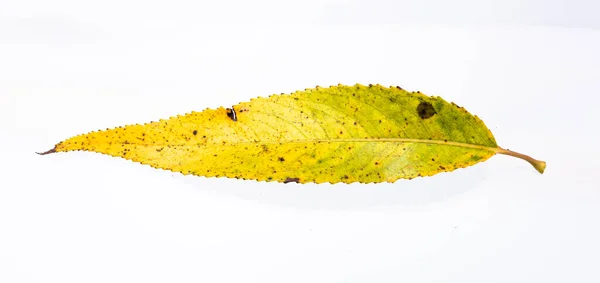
[337, 134]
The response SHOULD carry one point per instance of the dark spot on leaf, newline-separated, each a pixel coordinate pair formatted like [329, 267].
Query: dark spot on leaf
[442, 167]
[231, 114]
[281, 159]
[195, 132]
[425, 110]
[291, 180]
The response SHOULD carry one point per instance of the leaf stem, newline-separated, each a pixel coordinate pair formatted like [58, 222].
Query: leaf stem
[539, 165]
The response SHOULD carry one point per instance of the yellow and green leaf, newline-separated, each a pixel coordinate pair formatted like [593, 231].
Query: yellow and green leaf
[337, 134]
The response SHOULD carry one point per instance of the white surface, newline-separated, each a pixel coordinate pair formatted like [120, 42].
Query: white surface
[70, 67]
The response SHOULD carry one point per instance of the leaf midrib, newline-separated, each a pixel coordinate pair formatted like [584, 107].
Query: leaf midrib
[361, 140]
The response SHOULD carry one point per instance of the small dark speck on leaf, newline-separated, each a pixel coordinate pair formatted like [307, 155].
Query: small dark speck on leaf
[195, 132]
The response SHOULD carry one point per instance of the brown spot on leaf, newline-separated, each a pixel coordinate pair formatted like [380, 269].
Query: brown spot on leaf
[281, 159]
[265, 148]
[425, 110]
[291, 180]
[195, 132]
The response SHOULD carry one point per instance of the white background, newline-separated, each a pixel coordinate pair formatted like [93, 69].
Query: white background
[529, 69]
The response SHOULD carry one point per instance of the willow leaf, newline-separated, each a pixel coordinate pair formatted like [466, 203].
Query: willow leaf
[337, 134]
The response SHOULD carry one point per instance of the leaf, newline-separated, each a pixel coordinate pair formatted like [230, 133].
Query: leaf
[337, 134]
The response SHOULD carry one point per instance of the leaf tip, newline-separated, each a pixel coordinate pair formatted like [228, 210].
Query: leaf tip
[53, 150]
